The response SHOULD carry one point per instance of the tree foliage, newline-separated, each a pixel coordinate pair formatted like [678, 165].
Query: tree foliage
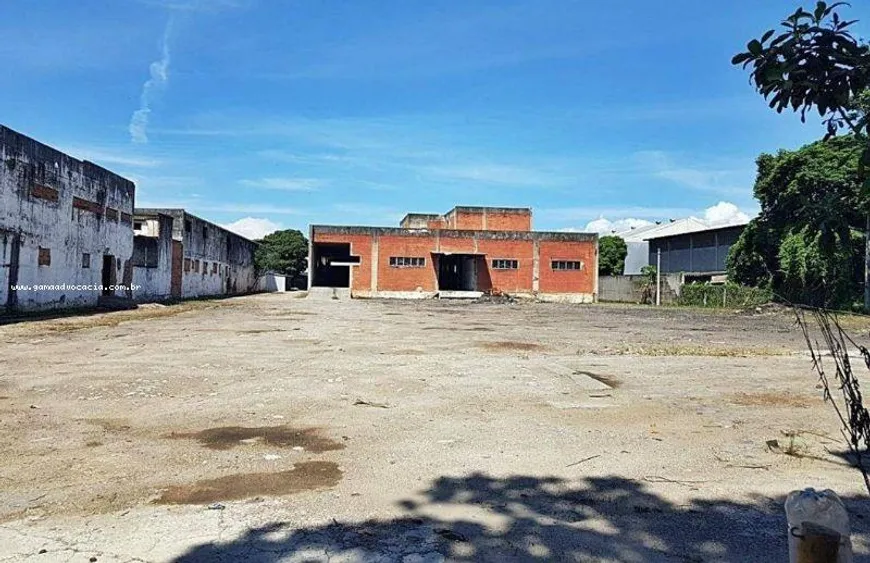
[815, 62]
[612, 251]
[806, 242]
[283, 252]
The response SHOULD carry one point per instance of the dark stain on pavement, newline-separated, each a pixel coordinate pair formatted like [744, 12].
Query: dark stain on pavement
[226, 437]
[306, 476]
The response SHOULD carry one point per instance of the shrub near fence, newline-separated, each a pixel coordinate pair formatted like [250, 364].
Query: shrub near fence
[723, 295]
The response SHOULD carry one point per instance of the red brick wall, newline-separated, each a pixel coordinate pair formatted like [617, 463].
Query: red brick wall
[360, 245]
[511, 281]
[508, 222]
[477, 221]
[406, 279]
[567, 281]
[467, 221]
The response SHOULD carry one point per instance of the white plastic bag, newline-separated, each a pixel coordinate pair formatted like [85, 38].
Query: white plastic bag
[818, 507]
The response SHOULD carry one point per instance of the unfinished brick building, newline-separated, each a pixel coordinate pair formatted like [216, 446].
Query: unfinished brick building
[463, 253]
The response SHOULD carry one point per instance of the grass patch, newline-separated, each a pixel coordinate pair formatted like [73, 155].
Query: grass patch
[510, 346]
[113, 319]
[770, 399]
[692, 350]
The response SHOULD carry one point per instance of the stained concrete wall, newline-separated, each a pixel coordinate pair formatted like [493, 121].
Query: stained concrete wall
[273, 283]
[215, 261]
[629, 288]
[152, 258]
[59, 216]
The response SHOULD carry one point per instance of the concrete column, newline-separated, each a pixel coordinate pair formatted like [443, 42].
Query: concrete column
[595, 273]
[536, 266]
[375, 260]
[310, 257]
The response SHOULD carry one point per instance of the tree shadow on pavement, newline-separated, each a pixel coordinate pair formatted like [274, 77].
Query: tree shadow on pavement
[525, 518]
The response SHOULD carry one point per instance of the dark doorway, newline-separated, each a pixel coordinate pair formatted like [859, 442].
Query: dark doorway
[110, 274]
[332, 264]
[175, 271]
[458, 272]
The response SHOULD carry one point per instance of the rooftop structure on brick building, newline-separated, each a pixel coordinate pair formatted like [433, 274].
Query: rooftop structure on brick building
[465, 252]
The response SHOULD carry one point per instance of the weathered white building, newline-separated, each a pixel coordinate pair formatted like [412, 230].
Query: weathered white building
[66, 228]
[180, 256]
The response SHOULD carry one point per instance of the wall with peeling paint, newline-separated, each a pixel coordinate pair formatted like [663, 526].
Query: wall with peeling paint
[215, 261]
[152, 258]
[59, 217]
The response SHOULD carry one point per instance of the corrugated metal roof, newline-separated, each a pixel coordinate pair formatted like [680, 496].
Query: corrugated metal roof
[678, 227]
[703, 227]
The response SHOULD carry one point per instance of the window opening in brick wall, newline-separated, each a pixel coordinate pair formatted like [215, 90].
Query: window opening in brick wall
[407, 262]
[566, 265]
[505, 264]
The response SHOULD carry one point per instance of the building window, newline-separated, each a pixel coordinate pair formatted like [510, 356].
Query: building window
[137, 226]
[44, 256]
[407, 262]
[187, 227]
[566, 265]
[214, 268]
[196, 266]
[505, 264]
[86, 260]
[187, 264]
[205, 233]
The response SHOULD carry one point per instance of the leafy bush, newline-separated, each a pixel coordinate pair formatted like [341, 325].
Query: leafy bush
[612, 251]
[723, 295]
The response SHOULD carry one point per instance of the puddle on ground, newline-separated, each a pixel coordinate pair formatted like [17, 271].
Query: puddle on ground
[510, 345]
[226, 437]
[306, 476]
[608, 380]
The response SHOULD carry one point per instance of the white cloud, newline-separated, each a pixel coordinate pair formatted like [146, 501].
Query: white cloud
[106, 156]
[252, 227]
[159, 78]
[724, 213]
[197, 5]
[284, 184]
[606, 226]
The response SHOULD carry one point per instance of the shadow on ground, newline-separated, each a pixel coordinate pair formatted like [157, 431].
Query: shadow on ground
[523, 518]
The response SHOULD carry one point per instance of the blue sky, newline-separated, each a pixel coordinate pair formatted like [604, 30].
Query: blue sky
[286, 113]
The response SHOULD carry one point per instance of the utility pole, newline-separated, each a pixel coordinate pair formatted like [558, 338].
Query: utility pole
[867, 266]
[659, 275]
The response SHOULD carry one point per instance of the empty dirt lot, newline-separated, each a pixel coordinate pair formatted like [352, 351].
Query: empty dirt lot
[273, 428]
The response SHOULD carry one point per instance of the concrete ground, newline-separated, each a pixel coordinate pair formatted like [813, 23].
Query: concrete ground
[272, 428]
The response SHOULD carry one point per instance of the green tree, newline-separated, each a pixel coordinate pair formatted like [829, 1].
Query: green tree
[814, 63]
[611, 256]
[283, 252]
[805, 243]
